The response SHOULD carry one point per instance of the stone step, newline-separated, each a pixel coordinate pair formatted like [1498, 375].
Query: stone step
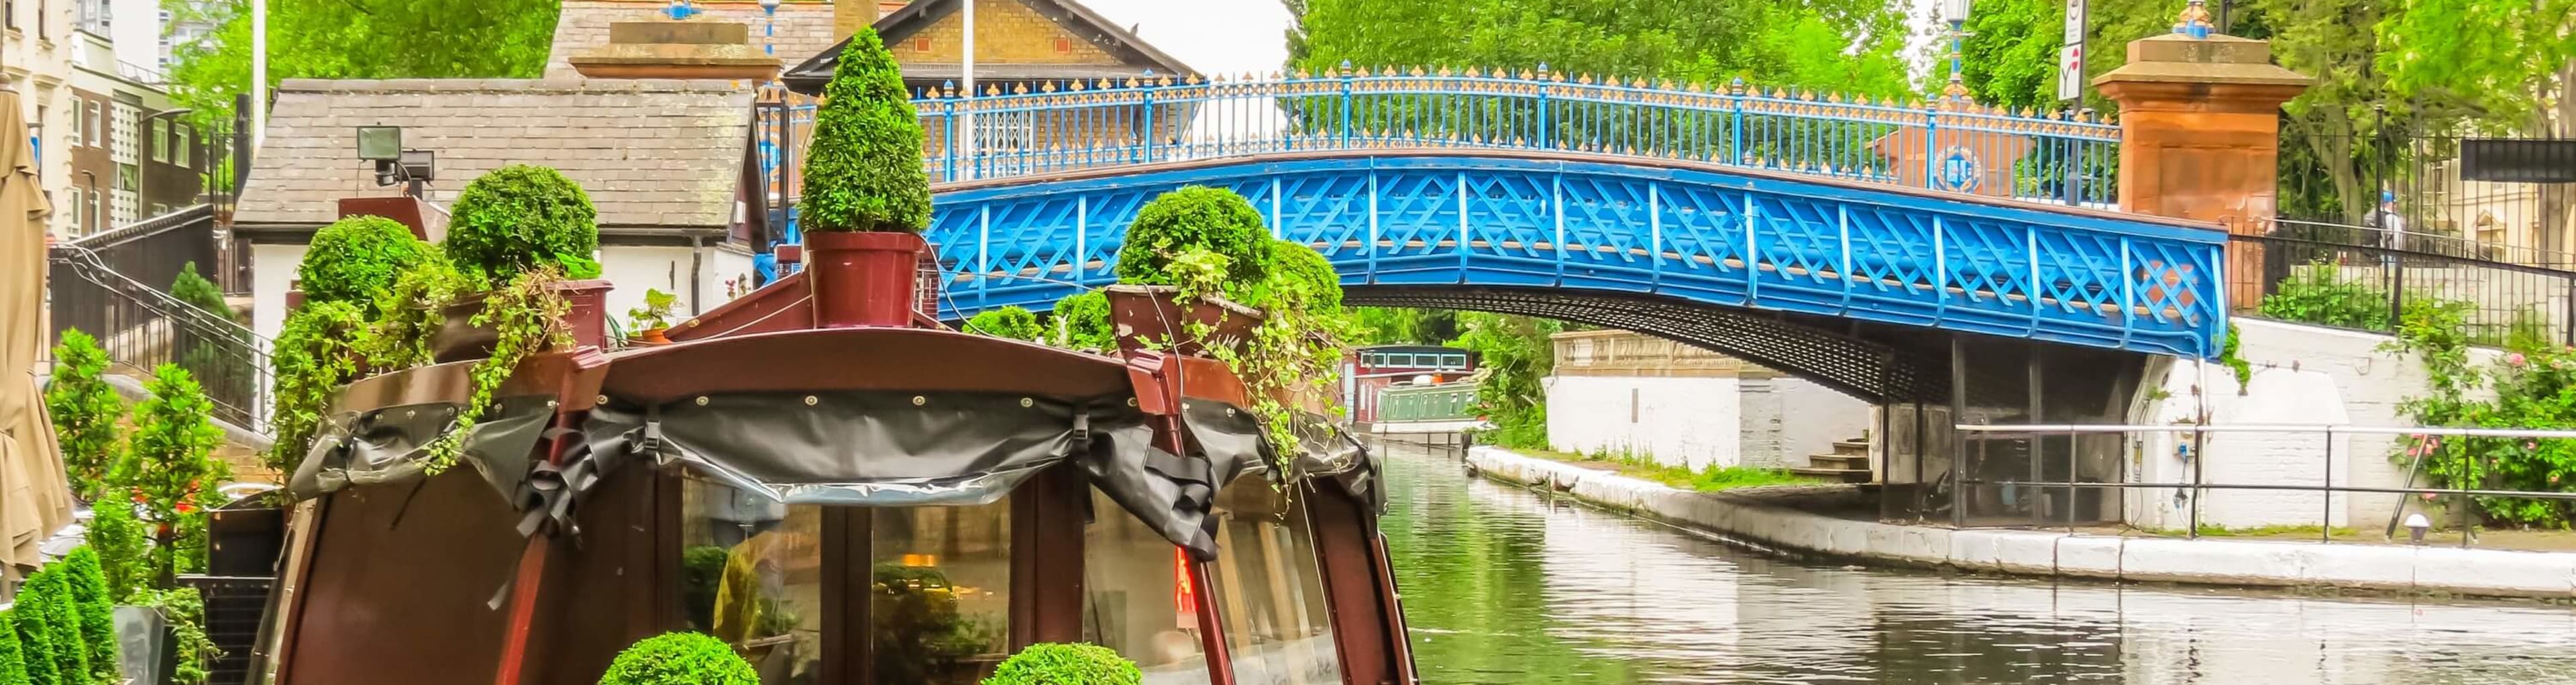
[1858, 447]
[1834, 475]
[1839, 461]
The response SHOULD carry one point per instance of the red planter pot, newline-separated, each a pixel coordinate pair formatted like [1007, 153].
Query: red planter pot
[862, 278]
[459, 339]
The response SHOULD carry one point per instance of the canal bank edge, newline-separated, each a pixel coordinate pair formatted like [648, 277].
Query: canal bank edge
[1755, 521]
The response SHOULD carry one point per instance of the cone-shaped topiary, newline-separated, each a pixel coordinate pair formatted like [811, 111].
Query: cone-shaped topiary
[679, 659]
[97, 612]
[85, 411]
[1194, 218]
[520, 216]
[1054, 663]
[29, 628]
[1013, 322]
[45, 604]
[316, 352]
[864, 173]
[195, 290]
[117, 538]
[13, 659]
[356, 259]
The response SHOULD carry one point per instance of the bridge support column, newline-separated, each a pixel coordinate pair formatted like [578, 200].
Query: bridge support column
[2200, 135]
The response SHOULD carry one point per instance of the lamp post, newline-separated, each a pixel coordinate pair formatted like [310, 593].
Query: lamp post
[1956, 12]
[143, 174]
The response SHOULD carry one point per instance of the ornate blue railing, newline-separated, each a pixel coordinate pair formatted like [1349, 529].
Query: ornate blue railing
[1065, 126]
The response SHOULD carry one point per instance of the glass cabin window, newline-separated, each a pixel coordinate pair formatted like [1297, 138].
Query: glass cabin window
[942, 603]
[1136, 601]
[752, 575]
[1270, 588]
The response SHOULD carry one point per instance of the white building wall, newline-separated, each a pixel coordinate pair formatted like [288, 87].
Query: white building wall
[1690, 422]
[1786, 419]
[272, 273]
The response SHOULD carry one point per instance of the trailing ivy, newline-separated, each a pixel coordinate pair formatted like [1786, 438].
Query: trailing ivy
[97, 612]
[123, 555]
[1196, 218]
[168, 466]
[521, 217]
[1012, 322]
[2227, 355]
[185, 610]
[399, 337]
[864, 171]
[528, 313]
[316, 352]
[357, 259]
[85, 411]
[679, 659]
[1049, 663]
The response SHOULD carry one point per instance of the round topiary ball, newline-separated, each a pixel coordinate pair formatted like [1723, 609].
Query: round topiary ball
[679, 659]
[519, 217]
[355, 260]
[1056, 663]
[1194, 217]
[1302, 278]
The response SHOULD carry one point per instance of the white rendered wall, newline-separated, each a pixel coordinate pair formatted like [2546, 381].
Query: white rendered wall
[1687, 421]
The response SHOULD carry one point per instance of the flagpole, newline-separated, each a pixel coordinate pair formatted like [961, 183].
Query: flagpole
[966, 76]
[258, 71]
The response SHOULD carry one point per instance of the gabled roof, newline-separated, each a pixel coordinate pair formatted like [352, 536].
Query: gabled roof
[653, 154]
[1138, 57]
[802, 28]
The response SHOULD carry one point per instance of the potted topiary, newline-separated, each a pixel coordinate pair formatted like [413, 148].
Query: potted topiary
[521, 221]
[1183, 238]
[356, 260]
[679, 659]
[867, 198]
[652, 319]
[1058, 663]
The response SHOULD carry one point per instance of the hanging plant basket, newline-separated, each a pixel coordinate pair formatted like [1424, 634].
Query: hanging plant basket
[1152, 317]
[459, 339]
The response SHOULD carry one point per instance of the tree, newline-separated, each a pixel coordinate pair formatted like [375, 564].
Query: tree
[168, 466]
[85, 411]
[356, 39]
[1513, 355]
[864, 172]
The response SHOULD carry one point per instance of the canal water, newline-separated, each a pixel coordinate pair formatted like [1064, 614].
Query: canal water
[1503, 585]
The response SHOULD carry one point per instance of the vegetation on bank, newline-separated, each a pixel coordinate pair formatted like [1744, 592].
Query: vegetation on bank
[1711, 478]
[2533, 385]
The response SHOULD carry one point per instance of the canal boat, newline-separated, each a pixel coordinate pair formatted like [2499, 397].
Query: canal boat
[821, 475]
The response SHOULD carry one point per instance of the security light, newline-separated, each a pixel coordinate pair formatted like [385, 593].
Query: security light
[380, 143]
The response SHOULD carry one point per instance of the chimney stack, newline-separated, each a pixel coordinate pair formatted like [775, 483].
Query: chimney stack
[698, 48]
[848, 16]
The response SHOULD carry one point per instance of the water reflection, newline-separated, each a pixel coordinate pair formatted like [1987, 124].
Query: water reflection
[1504, 586]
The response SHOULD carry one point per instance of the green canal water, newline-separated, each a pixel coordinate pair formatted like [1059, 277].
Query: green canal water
[1502, 585]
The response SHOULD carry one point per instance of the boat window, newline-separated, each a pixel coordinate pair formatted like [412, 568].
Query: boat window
[1270, 588]
[751, 575]
[942, 602]
[1135, 598]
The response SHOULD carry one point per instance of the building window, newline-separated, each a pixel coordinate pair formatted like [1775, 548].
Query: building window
[124, 137]
[9, 12]
[128, 177]
[1063, 45]
[921, 44]
[182, 139]
[161, 141]
[89, 131]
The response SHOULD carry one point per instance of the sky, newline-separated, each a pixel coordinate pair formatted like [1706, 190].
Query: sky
[1238, 36]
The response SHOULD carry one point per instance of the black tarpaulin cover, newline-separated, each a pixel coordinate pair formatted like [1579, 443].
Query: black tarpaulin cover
[390, 445]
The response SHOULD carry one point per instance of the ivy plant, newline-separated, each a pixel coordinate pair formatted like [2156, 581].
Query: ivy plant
[528, 313]
[88, 584]
[1052, 663]
[521, 217]
[317, 351]
[168, 465]
[356, 260]
[1012, 322]
[399, 336]
[864, 171]
[679, 659]
[85, 411]
[185, 610]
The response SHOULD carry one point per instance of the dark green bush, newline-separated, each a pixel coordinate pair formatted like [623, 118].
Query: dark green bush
[865, 171]
[200, 293]
[1194, 217]
[49, 627]
[1053, 663]
[701, 568]
[117, 536]
[84, 411]
[2320, 294]
[356, 260]
[316, 352]
[97, 612]
[1081, 322]
[13, 658]
[679, 659]
[519, 217]
[1013, 322]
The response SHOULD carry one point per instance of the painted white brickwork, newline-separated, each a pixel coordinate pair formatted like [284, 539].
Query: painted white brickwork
[1623, 392]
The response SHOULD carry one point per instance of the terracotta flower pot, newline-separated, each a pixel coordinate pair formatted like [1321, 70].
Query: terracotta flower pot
[650, 337]
[459, 339]
[863, 278]
[1148, 316]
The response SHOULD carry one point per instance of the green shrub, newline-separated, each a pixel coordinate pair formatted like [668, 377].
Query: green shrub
[1081, 322]
[1194, 218]
[519, 217]
[1051, 663]
[701, 568]
[97, 611]
[85, 411]
[1013, 322]
[1300, 277]
[2319, 294]
[200, 293]
[398, 338]
[27, 629]
[167, 463]
[186, 612]
[316, 352]
[45, 603]
[13, 658]
[679, 659]
[117, 537]
[356, 260]
[864, 172]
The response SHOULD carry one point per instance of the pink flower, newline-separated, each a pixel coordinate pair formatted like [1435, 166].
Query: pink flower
[2514, 359]
[2428, 497]
[2531, 444]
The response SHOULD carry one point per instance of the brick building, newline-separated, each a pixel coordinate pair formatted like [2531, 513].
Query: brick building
[132, 156]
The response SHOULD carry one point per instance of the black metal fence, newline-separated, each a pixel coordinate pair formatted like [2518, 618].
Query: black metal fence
[2509, 199]
[2371, 288]
[142, 327]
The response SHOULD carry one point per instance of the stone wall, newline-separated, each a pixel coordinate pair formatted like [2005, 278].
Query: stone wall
[1622, 392]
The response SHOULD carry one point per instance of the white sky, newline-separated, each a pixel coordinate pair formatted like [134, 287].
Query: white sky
[1237, 36]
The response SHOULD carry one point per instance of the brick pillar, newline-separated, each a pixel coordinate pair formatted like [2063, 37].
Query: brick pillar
[848, 16]
[2200, 136]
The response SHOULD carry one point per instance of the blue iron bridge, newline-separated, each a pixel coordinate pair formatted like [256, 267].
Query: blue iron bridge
[1832, 237]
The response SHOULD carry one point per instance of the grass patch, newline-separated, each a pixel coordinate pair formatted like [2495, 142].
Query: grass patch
[1711, 479]
[2212, 530]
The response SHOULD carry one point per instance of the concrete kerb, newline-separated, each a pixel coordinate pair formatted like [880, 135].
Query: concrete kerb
[1749, 520]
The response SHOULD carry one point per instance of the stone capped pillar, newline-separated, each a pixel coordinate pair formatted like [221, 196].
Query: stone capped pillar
[2200, 119]
[677, 48]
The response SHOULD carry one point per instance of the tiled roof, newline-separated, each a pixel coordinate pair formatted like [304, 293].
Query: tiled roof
[804, 28]
[652, 153]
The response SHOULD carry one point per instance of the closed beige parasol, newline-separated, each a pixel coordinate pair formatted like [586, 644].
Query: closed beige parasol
[35, 501]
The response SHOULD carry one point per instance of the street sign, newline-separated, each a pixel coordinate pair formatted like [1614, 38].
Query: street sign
[2070, 71]
[2074, 22]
